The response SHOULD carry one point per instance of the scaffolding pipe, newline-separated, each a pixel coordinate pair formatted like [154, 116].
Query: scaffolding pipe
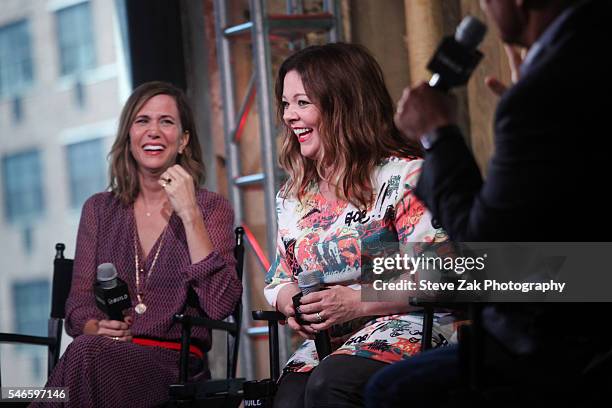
[249, 180]
[267, 132]
[245, 108]
[233, 165]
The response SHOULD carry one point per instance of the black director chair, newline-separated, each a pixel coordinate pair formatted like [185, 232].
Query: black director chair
[228, 392]
[211, 393]
[62, 279]
[272, 317]
[200, 391]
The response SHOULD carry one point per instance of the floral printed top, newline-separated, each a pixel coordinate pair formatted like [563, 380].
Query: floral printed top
[326, 236]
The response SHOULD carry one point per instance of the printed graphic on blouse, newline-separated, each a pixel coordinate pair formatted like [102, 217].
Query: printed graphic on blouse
[327, 236]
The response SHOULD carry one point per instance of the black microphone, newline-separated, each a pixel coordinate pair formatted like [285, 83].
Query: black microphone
[457, 57]
[309, 282]
[112, 294]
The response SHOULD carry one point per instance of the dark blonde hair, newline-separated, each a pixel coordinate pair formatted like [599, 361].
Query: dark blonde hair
[357, 131]
[124, 181]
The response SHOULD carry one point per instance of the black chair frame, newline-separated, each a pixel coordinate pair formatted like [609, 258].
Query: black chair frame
[226, 392]
[62, 279]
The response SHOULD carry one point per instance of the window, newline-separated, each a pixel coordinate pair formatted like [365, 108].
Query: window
[15, 58]
[32, 300]
[23, 192]
[86, 170]
[75, 39]
[17, 109]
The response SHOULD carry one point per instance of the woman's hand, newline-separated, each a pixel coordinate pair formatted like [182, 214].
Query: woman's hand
[114, 329]
[284, 304]
[306, 330]
[180, 190]
[338, 304]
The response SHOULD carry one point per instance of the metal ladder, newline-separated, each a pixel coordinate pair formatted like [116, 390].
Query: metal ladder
[291, 26]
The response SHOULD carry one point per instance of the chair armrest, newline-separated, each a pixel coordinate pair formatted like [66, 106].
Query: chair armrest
[269, 315]
[437, 304]
[187, 322]
[429, 307]
[24, 339]
[206, 322]
[272, 317]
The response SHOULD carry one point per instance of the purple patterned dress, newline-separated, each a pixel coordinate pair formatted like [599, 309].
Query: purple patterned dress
[102, 372]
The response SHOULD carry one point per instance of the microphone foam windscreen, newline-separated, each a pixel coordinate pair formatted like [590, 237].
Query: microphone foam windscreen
[470, 32]
[309, 280]
[106, 272]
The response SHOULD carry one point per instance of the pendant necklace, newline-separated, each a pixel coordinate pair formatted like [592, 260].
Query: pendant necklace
[146, 208]
[141, 307]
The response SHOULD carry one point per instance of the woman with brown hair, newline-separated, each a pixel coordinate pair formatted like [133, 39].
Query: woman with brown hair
[351, 179]
[165, 235]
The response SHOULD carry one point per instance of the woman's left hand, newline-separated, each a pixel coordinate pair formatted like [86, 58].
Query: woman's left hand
[180, 191]
[338, 304]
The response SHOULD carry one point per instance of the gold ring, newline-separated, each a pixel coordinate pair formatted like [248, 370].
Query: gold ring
[319, 317]
[115, 338]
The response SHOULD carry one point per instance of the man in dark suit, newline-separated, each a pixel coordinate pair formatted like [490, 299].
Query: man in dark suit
[544, 183]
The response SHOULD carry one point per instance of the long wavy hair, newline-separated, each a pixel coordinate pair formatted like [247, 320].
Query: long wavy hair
[124, 180]
[357, 131]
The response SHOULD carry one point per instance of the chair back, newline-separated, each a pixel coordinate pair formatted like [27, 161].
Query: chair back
[232, 324]
[233, 341]
[211, 393]
[62, 281]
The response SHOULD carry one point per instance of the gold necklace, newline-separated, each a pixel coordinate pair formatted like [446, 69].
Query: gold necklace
[141, 307]
[146, 208]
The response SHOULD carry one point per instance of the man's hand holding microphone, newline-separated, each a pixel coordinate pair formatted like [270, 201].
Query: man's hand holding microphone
[428, 106]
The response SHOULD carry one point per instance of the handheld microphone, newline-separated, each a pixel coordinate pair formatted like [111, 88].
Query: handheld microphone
[112, 294]
[309, 282]
[457, 57]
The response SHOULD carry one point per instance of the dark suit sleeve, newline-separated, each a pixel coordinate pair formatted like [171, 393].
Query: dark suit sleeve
[525, 178]
[520, 180]
[551, 146]
[450, 183]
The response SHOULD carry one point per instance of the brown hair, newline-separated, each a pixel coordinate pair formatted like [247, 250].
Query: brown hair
[357, 131]
[124, 181]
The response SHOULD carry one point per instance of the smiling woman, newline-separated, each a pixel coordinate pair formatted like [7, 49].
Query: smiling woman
[165, 235]
[156, 135]
[301, 115]
[351, 180]
[156, 114]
